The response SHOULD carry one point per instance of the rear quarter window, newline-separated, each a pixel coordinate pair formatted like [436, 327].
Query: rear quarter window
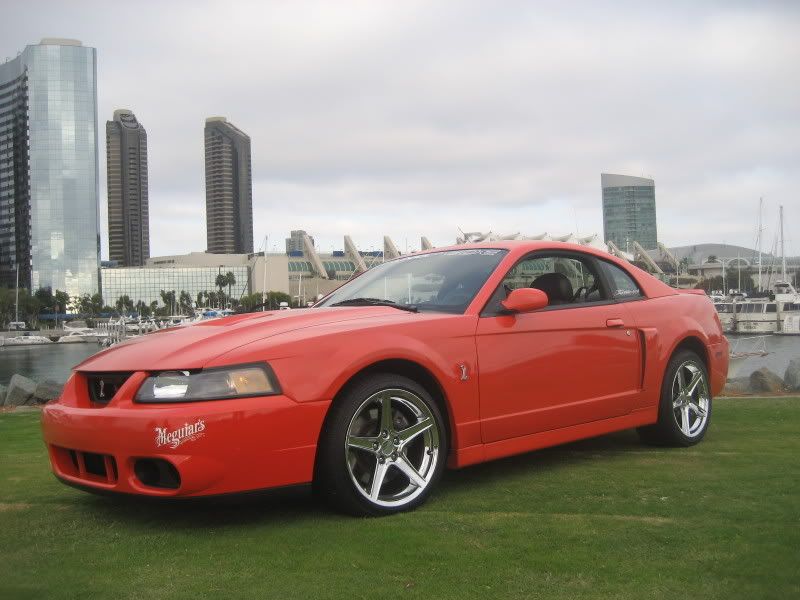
[623, 286]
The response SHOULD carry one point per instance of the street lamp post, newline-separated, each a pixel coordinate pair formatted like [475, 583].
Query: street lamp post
[724, 280]
[16, 300]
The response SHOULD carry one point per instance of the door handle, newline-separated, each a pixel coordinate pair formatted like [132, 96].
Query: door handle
[614, 323]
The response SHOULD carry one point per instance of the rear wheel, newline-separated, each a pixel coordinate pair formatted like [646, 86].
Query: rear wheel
[685, 409]
[383, 449]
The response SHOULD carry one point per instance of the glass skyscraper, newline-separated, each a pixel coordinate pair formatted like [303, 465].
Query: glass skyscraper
[629, 211]
[49, 189]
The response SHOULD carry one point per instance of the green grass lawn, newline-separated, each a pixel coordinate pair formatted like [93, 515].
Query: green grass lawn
[604, 518]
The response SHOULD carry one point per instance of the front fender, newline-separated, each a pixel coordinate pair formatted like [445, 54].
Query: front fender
[315, 364]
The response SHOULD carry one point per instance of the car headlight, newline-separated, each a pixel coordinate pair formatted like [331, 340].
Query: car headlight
[241, 381]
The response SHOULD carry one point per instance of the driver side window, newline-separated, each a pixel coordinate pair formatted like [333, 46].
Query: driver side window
[567, 280]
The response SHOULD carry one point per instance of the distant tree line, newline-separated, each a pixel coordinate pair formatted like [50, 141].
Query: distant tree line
[732, 278]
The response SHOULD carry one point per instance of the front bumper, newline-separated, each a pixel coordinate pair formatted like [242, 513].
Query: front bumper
[216, 447]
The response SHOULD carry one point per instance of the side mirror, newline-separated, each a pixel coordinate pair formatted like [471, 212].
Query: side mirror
[525, 300]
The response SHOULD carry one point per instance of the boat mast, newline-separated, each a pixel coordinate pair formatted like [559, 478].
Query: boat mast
[758, 241]
[739, 264]
[783, 254]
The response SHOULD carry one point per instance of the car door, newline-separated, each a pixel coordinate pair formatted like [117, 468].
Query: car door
[575, 361]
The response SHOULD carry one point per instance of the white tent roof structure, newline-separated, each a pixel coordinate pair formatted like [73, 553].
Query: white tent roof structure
[473, 237]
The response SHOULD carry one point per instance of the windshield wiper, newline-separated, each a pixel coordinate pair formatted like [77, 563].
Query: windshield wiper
[375, 302]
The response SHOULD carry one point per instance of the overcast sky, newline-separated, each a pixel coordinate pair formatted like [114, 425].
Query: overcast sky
[416, 118]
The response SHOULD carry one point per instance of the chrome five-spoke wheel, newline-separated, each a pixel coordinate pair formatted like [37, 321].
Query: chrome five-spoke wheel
[684, 409]
[690, 399]
[383, 447]
[392, 447]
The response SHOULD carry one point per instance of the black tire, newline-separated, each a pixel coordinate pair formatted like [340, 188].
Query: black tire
[667, 431]
[342, 472]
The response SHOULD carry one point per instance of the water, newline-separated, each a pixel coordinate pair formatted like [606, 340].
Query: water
[51, 361]
[781, 348]
[56, 360]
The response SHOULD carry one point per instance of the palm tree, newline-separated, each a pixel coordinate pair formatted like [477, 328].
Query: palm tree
[221, 281]
[168, 298]
[143, 309]
[213, 298]
[185, 302]
[230, 281]
[124, 304]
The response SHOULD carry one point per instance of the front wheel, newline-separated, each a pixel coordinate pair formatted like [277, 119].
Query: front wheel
[383, 448]
[685, 409]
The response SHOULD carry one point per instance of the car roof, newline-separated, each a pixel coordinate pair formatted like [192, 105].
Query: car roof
[650, 285]
[523, 246]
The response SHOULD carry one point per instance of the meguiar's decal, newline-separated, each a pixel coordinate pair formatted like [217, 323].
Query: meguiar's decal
[176, 437]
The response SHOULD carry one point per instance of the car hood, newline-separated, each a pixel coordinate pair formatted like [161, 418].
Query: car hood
[193, 346]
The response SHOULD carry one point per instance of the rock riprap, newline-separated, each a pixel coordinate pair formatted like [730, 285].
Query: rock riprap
[765, 380]
[737, 386]
[791, 378]
[20, 391]
[47, 390]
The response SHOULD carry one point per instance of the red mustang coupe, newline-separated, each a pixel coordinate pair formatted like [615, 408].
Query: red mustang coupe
[450, 357]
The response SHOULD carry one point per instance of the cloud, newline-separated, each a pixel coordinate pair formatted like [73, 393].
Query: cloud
[416, 118]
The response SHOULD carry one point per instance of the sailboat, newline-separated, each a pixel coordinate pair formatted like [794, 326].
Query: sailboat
[787, 297]
[778, 313]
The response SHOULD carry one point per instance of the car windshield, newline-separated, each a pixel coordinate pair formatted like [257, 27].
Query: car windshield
[445, 281]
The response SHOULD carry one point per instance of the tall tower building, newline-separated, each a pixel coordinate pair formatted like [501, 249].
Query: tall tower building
[49, 190]
[629, 210]
[294, 243]
[229, 188]
[128, 208]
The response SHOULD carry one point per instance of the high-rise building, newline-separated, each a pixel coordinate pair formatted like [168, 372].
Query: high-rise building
[128, 209]
[229, 188]
[294, 243]
[49, 191]
[629, 210]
